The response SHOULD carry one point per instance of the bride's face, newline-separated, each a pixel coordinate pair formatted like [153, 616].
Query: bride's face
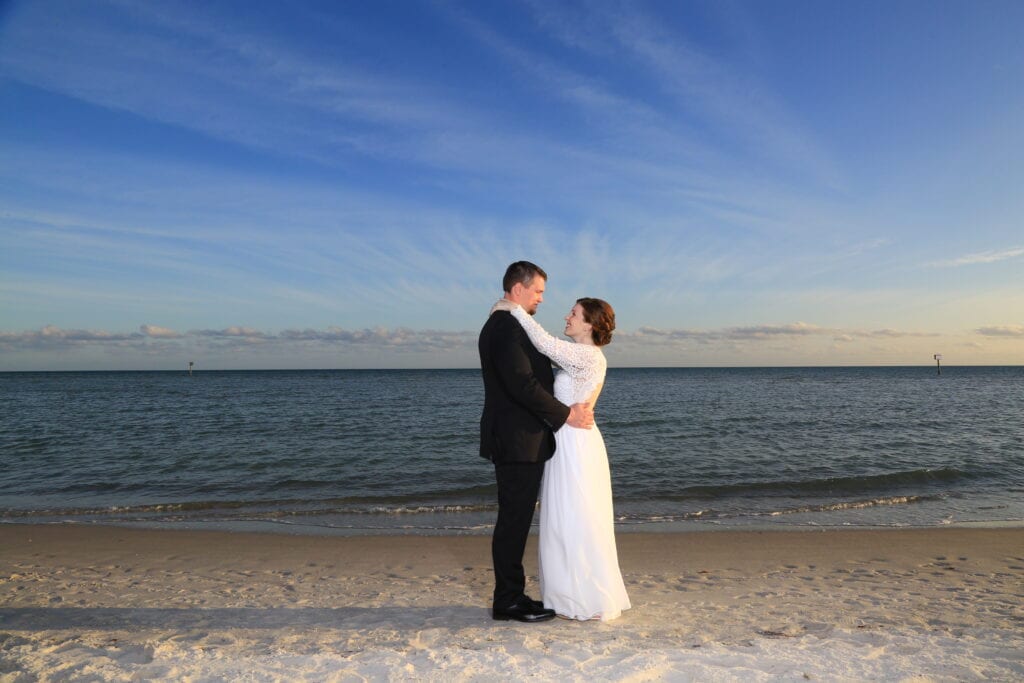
[575, 326]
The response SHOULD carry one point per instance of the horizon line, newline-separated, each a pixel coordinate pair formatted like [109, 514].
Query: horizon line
[617, 367]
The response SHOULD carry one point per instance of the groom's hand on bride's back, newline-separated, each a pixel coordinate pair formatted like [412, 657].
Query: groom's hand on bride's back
[581, 416]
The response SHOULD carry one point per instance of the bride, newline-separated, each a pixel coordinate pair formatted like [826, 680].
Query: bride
[578, 561]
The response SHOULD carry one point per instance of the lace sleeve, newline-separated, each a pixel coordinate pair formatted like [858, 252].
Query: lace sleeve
[578, 360]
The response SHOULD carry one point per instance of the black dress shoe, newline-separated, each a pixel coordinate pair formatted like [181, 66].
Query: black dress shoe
[525, 610]
[536, 603]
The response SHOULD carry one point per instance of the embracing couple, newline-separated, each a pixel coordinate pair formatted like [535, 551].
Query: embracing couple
[538, 430]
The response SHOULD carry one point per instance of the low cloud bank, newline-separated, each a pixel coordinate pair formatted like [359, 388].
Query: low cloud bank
[769, 332]
[405, 339]
[52, 338]
[1002, 331]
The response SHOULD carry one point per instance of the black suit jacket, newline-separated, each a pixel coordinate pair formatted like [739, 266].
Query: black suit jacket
[521, 413]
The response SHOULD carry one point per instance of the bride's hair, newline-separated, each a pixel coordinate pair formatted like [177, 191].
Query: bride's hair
[601, 317]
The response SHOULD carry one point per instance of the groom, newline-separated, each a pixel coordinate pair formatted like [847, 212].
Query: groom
[517, 434]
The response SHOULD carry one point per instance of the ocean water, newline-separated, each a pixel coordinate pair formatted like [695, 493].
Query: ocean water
[395, 451]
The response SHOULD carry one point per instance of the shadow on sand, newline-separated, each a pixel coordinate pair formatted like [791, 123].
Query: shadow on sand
[191, 618]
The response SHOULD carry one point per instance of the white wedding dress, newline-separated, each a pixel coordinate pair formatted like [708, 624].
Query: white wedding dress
[578, 561]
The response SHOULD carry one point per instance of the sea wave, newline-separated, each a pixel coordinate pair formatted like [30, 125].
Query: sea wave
[827, 485]
[454, 498]
[240, 510]
[854, 505]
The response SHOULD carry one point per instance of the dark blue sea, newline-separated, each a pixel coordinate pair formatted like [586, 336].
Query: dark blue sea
[395, 451]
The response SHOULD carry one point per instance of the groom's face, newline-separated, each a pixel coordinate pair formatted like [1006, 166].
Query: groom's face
[530, 296]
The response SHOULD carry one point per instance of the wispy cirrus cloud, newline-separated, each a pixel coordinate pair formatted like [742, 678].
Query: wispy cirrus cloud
[248, 86]
[709, 91]
[627, 166]
[656, 142]
[992, 256]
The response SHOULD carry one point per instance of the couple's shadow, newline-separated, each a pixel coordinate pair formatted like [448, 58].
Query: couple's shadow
[224, 618]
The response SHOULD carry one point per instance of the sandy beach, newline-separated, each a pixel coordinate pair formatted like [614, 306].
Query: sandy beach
[119, 604]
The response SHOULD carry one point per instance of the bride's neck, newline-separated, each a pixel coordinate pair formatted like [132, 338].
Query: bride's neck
[585, 338]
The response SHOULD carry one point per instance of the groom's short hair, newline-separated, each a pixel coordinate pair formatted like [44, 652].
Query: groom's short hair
[521, 271]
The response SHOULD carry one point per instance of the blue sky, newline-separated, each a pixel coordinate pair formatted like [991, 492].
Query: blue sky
[325, 184]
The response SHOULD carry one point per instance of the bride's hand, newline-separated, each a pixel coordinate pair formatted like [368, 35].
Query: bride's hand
[503, 305]
[581, 416]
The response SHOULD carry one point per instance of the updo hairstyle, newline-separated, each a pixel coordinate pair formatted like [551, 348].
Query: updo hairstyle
[601, 317]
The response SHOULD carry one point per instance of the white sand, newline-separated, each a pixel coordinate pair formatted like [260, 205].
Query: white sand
[111, 604]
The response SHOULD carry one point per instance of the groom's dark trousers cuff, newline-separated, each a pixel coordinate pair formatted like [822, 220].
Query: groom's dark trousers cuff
[518, 486]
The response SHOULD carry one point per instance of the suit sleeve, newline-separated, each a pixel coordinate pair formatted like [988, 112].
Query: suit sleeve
[513, 367]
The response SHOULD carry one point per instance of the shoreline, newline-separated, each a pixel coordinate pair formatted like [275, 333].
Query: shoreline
[637, 549]
[810, 604]
[658, 528]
